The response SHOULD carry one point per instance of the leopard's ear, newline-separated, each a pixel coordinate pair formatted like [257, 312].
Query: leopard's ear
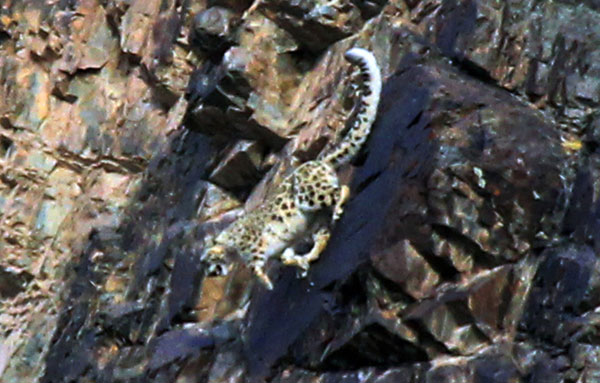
[212, 253]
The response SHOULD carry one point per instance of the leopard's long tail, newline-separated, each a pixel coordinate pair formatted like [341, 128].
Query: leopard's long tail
[370, 87]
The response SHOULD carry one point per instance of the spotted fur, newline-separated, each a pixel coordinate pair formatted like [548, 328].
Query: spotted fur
[370, 88]
[313, 188]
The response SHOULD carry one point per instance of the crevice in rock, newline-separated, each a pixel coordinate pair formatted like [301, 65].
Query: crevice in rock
[482, 257]
[366, 182]
[373, 346]
[304, 59]
[477, 72]
[442, 266]
[4, 37]
[6, 144]
[12, 283]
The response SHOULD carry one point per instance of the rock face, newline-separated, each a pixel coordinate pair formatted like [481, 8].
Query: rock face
[132, 131]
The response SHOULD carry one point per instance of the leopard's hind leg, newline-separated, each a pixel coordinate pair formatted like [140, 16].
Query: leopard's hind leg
[320, 239]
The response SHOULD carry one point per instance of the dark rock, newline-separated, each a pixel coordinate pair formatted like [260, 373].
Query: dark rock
[164, 34]
[239, 170]
[70, 351]
[586, 359]
[403, 265]
[456, 372]
[219, 95]
[85, 330]
[489, 298]
[494, 370]
[178, 344]
[559, 288]
[413, 374]
[186, 272]
[276, 320]
[372, 346]
[447, 321]
[315, 24]
[538, 53]
[121, 320]
[213, 30]
[369, 8]
[237, 5]
[127, 365]
[12, 282]
[6, 144]
[215, 202]
[548, 370]
[593, 4]
[579, 218]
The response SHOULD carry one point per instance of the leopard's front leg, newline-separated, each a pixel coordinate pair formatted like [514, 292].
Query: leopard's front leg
[340, 201]
[257, 264]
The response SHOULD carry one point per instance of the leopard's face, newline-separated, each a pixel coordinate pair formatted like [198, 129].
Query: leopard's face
[217, 269]
[214, 257]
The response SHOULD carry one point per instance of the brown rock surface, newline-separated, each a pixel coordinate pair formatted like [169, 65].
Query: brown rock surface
[130, 131]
